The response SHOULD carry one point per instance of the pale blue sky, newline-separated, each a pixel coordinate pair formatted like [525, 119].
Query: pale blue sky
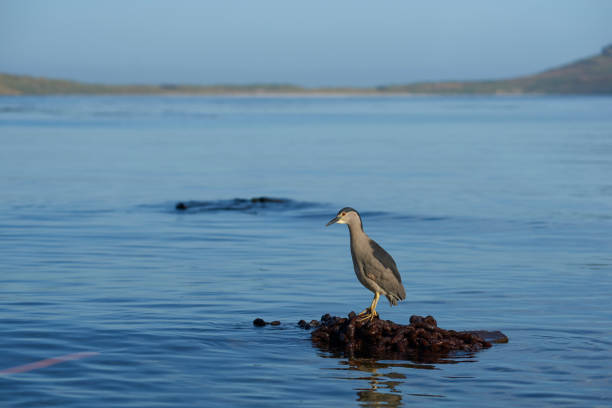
[312, 43]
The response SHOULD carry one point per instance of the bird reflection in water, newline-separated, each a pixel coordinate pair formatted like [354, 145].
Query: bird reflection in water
[382, 390]
[384, 378]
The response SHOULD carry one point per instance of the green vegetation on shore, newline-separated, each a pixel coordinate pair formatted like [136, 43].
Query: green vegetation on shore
[591, 75]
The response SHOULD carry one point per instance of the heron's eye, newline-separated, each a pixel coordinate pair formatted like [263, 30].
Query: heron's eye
[343, 214]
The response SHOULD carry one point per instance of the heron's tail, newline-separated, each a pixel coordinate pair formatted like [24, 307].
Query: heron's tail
[400, 294]
[393, 299]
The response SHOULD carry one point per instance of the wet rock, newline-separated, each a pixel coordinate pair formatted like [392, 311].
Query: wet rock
[490, 336]
[389, 340]
[259, 322]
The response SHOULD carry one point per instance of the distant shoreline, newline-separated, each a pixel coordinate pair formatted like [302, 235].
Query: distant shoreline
[588, 76]
[305, 94]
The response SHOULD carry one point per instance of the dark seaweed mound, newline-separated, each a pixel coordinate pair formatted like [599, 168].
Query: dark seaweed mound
[388, 340]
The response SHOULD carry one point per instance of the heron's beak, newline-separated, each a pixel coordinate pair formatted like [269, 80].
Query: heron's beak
[335, 220]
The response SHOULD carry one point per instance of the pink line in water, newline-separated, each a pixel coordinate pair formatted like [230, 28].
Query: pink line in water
[47, 362]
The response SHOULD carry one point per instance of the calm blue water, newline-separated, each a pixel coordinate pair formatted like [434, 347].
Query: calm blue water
[497, 210]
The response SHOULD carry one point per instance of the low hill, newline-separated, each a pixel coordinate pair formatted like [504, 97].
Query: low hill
[27, 85]
[591, 75]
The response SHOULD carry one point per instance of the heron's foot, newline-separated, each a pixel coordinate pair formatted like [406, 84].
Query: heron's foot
[365, 312]
[367, 315]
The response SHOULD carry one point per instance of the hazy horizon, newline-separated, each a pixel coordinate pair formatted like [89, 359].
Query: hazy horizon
[308, 44]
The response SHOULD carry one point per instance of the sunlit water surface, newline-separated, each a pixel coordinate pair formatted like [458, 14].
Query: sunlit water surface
[498, 211]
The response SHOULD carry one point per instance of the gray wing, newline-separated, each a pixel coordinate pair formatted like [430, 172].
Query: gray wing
[387, 277]
[385, 259]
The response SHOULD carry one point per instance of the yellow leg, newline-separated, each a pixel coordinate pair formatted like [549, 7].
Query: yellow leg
[370, 313]
[374, 303]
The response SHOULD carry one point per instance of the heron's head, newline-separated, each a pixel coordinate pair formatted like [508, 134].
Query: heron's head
[347, 215]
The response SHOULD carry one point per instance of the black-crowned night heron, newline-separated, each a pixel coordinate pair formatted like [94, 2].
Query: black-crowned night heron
[374, 267]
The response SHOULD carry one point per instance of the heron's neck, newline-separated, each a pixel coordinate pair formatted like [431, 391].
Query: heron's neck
[356, 231]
